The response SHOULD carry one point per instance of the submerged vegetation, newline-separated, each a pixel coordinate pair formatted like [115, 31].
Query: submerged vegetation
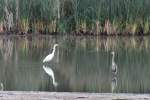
[95, 17]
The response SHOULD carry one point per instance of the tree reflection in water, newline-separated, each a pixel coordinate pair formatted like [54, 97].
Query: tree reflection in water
[83, 65]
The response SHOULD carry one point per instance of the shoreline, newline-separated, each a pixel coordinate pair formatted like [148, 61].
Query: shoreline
[70, 34]
[31, 95]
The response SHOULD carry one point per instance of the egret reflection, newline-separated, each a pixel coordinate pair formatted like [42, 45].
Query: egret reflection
[50, 72]
[114, 67]
[51, 55]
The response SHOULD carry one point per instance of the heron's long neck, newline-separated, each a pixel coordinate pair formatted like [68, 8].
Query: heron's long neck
[113, 57]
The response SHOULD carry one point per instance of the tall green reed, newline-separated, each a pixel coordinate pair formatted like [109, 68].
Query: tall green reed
[76, 15]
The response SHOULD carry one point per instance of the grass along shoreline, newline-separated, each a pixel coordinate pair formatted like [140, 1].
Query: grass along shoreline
[106, 29]
[96, 17]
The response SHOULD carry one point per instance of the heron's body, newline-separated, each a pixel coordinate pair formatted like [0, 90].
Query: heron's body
[114, 66]
[50, 56]
[50, 72]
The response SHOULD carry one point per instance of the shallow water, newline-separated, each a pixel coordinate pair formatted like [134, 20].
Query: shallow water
[80, 64]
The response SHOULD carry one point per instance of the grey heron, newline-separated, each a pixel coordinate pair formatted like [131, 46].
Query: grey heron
[114, 67]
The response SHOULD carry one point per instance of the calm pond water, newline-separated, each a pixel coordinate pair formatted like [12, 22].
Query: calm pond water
[80, 64]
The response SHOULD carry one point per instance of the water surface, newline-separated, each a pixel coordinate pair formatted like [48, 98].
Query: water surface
[80, 64]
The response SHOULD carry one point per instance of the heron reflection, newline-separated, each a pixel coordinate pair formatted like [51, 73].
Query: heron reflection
[113, 84]
[50, 72]
[2, 87]
[114, 67]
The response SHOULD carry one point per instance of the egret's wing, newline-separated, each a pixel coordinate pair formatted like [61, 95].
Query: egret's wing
[46, 58]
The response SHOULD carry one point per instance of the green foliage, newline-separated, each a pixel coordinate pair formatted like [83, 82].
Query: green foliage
[72, 12]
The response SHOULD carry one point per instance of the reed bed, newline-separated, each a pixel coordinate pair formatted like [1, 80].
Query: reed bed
[98, 17]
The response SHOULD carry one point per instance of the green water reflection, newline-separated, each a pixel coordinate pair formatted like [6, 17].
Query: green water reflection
[80, 63]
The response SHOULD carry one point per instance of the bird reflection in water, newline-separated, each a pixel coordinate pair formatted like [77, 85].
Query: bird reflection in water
[2, 87]
[50, 72]
[113, 84]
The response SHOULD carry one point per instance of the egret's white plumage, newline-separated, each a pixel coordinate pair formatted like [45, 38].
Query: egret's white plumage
[114, 66]
[50, 56]
[50, 72]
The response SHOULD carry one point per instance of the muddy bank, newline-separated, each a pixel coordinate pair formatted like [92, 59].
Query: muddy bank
[20, 95]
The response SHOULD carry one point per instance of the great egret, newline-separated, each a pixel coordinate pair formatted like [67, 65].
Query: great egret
[114, 67]
[50, 56]
[50, 72]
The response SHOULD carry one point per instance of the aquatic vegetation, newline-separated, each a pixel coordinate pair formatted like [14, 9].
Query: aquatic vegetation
[24, 25]
[80, 16]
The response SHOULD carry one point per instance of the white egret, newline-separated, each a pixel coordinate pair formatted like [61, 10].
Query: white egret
[50, 72]
[114, 67]
[50, 56]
